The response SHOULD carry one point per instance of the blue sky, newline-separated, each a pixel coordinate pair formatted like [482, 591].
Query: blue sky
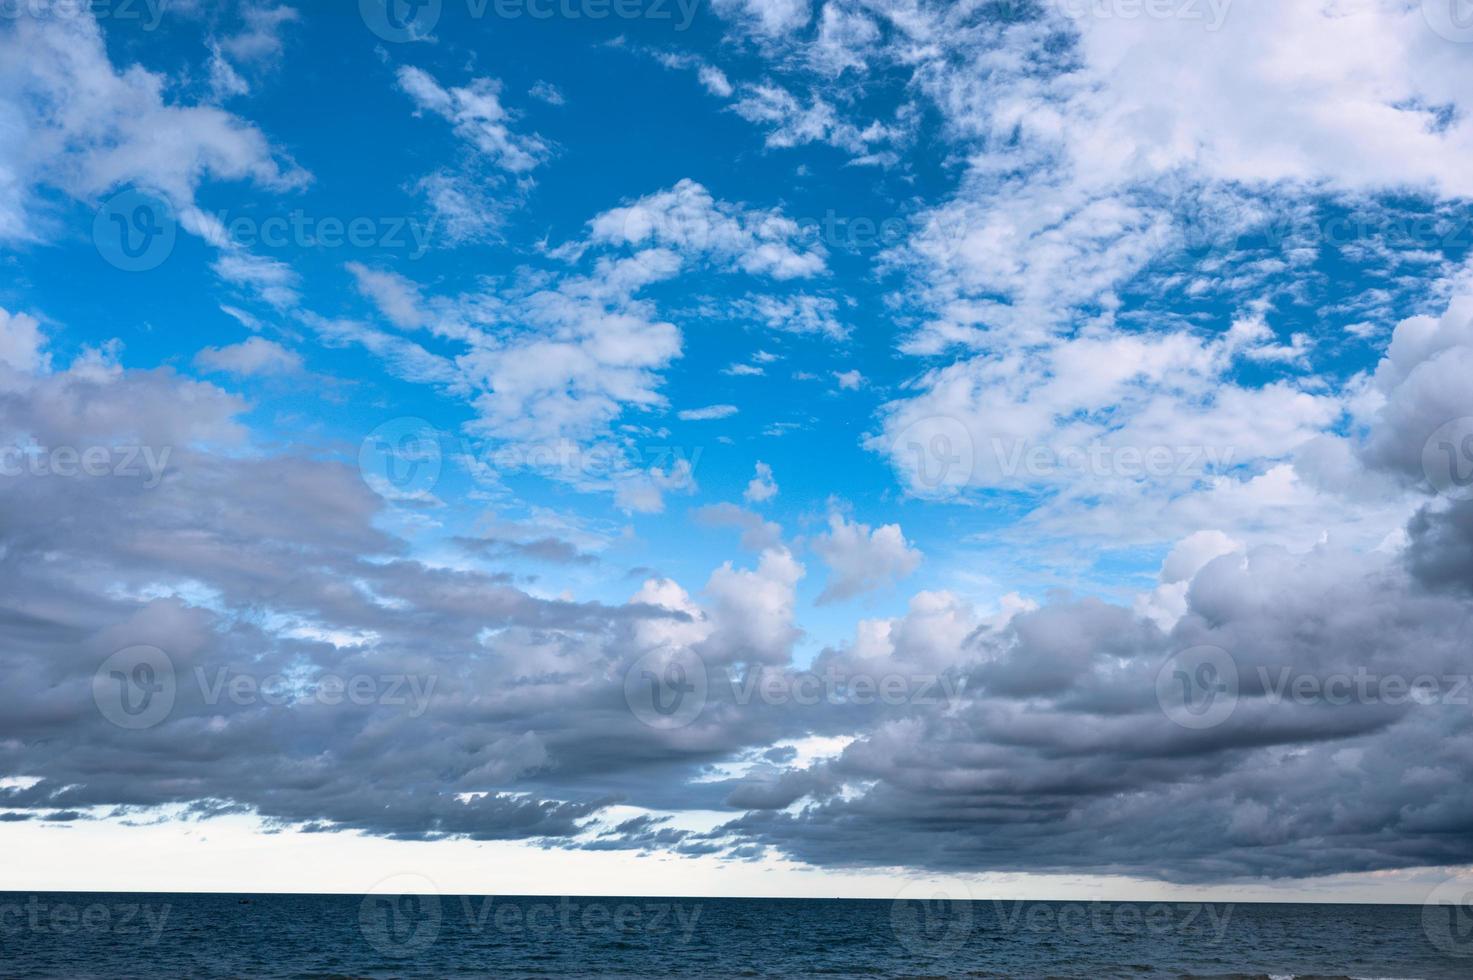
[1030, 344]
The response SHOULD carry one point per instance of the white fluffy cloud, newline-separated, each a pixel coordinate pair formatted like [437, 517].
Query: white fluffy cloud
[861, 559]
[762, 487]
[77, 123]
[22, 344]
[688, 219]
[753, 611]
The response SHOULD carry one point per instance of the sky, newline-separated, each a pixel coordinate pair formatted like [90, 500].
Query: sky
[738, 447]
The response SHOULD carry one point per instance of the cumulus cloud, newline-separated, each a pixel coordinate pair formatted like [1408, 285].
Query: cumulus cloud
[243, 564]
[862, 559]
[762, 487]
[1038, 740]
[22, 344]
[753, 610]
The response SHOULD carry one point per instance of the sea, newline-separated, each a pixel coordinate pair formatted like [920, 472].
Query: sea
[116, 936]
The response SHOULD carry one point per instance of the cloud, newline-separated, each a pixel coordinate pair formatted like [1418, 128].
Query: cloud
[707, 413]
[752, 612]
[479, 118]
[762, 487]
[396, 298]
[464, 209]
[758, 534]
[260, 39]
[247, 564]
[861, 559]
[22, 344]
[253, 356]
[1113, 431]
[1417, 386]
[770, 17]
[550, 364]
[1079, 300]
[273, 281]
[90, 129]
[688, 219]
[792, 122]
[800, 314]
[714, 80]
[547, 92]
[258, 42]
[259, 563]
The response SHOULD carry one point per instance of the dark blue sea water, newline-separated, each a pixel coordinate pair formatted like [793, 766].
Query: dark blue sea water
[77, 935]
